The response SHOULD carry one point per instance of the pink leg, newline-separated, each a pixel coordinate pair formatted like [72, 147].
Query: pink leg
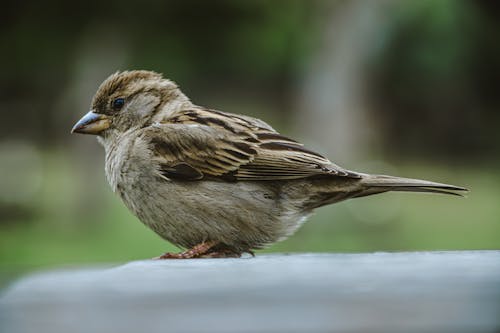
[195, 252]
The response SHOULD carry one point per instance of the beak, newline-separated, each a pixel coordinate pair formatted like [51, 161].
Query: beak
[91, 123]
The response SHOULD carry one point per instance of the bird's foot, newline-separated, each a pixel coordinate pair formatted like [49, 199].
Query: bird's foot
[196, 251]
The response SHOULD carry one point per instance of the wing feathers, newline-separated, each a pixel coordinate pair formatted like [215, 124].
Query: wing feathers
[205, 144]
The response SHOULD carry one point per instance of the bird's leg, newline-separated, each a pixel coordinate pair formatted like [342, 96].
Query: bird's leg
[194, 252]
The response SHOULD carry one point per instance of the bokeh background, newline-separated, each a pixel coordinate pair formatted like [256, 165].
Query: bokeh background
[408, 88]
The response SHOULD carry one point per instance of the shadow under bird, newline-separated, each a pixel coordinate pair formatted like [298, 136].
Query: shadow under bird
[216, 184]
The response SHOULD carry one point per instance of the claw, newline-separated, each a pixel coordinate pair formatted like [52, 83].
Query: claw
[204, 250]
[195, 252]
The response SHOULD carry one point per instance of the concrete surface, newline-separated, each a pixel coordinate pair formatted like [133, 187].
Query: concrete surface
[378, 292]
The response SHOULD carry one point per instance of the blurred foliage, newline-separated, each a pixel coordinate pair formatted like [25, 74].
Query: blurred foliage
[439, 73]
[432, 83]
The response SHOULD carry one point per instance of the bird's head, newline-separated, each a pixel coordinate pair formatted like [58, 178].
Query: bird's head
[127, 100]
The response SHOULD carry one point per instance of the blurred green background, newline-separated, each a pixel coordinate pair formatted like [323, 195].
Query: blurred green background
[408, 88]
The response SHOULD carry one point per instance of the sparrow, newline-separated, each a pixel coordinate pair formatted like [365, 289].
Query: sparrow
[215, 184]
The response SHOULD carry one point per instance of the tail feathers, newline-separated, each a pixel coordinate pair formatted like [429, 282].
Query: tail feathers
[381, 183]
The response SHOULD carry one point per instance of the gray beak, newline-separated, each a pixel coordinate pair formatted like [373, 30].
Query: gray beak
[92, 123]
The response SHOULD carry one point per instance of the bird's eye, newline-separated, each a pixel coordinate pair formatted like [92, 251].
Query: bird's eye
[118, 103]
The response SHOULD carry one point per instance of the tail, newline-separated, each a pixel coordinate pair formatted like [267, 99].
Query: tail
[373, 184]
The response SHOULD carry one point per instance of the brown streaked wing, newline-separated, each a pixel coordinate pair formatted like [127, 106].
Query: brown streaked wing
[229, 147]
[194, 152]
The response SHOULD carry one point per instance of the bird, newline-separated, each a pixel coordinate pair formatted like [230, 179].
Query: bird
[215, 184]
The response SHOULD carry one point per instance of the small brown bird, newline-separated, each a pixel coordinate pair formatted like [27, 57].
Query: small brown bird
[214, 183]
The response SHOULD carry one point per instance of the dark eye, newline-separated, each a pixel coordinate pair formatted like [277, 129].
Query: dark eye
[118, 103]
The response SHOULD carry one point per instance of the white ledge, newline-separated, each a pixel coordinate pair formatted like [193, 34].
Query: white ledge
[375, 292]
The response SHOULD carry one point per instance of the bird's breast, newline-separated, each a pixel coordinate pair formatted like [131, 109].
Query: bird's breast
[127, 161]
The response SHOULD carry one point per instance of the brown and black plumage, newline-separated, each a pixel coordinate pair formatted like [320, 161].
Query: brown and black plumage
[215, 183]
